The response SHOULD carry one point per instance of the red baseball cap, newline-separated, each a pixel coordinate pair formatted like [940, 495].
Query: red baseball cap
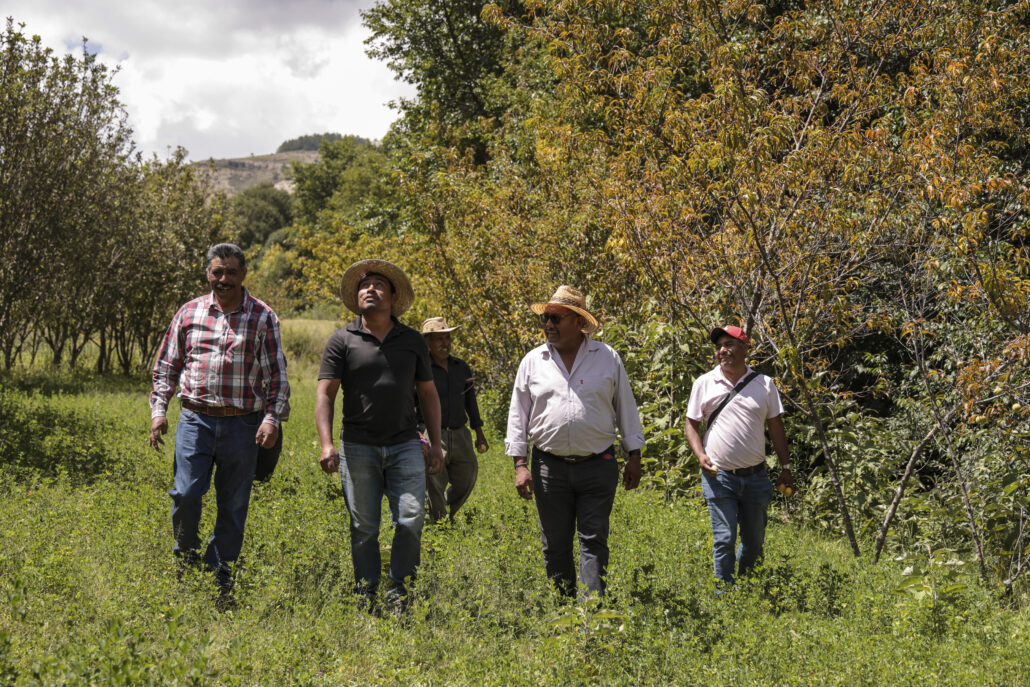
[729, 330]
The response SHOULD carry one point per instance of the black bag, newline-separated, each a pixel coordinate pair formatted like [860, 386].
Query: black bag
[268, 458]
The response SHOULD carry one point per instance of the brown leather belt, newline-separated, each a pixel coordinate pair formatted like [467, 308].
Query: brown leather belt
[214, 411]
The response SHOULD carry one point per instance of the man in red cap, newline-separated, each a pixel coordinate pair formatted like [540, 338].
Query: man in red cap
[737, 404]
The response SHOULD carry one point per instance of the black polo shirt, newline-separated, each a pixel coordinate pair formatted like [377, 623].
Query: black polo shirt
[457, 394]
[378, 380]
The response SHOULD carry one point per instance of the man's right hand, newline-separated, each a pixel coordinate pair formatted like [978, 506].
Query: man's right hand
[707, 466]
[158, 427]
[524, 482]
[330, 460]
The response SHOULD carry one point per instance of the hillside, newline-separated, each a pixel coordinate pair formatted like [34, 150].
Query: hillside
[236, 174]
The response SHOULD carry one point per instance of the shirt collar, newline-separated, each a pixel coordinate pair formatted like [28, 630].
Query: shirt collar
[356, 326]
[245, 304]
[587, 344]
[721, 377]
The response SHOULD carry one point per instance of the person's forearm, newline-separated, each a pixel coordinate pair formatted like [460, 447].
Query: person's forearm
[778, 436]
[324, 419]
[694, 438]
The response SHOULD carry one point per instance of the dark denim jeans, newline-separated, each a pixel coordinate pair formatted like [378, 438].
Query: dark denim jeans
[737, 502]
[398, 471]
[575, 497]
[224, 446]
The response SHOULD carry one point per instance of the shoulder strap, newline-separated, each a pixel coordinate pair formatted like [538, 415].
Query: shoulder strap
[729, 397]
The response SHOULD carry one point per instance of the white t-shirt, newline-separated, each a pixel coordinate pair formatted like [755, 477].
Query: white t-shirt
[737, 439]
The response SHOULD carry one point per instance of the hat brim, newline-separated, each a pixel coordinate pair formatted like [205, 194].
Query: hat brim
[356, 272]
[441, 331]
[591, 325]
[719, 331]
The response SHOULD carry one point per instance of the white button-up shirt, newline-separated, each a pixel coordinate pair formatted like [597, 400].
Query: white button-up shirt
[572, 413]
[737, 438]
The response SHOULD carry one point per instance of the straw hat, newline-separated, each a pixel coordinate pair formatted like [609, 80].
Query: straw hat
[571, 298]
[436, 325]
[359, 270]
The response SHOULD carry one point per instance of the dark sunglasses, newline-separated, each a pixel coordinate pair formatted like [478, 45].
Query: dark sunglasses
[552, 317]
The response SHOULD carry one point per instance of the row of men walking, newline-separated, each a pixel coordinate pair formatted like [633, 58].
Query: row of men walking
[571, 402]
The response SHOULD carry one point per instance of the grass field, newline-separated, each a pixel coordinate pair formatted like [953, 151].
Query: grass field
[90, 594]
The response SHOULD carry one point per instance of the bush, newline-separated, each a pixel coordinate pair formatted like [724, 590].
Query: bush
[37, 439]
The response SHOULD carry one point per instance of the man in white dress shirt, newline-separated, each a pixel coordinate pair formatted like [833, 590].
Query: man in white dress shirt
[572, 399]
[734, 480]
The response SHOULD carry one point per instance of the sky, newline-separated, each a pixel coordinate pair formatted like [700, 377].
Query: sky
[227, 78]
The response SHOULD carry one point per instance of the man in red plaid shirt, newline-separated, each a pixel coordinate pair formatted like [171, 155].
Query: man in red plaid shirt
[224, 353]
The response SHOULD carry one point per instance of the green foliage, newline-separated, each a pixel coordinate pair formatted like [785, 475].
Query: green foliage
[258, 213]
[662, 362]
[39, 440]
[94, 599]
[84, 215]
[309, 142]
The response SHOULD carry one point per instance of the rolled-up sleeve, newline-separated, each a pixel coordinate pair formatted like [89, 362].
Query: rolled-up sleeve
[515, 442]
[627, 417]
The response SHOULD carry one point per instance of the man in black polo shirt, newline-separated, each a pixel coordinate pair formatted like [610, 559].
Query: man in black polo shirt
[378, 361]
[453, 378]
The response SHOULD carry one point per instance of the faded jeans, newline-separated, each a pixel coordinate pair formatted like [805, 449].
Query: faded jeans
[224, 446]
[367, 473]
[737, 502]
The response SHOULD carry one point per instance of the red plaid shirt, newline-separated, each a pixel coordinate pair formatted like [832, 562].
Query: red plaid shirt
[220, 359]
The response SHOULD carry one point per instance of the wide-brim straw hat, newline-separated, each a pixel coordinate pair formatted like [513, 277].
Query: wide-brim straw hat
[436, 325]
[571, 298]
[359, 270]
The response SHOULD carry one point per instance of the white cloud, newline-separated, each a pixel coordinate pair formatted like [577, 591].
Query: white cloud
[230, 78]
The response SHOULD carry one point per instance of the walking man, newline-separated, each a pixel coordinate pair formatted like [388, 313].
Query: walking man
[738, 405]
[223, 352]
[572, 400]
[454, 386]
[378, 361]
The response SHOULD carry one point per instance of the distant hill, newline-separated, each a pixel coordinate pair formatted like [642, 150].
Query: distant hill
[233, 175]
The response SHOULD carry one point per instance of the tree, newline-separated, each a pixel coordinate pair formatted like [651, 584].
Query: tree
[63, 140]
[258, 212]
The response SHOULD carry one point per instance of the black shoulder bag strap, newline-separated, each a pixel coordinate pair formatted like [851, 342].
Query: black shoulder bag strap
[729, 397]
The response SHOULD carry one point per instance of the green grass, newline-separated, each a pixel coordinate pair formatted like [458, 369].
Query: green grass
[88, 593]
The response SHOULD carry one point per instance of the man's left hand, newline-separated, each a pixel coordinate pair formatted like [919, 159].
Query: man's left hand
[481, 444]
[631, 475]
[266, 435]
[434, 462]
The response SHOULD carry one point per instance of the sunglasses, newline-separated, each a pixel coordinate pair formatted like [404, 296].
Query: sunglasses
[553, 317]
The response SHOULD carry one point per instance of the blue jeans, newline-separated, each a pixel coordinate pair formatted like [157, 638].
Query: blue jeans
[367, 472]
[225, 446]
[737, 502]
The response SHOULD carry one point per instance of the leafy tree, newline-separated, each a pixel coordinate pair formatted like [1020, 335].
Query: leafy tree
[258, 212]
[63, 142]
[452, 56]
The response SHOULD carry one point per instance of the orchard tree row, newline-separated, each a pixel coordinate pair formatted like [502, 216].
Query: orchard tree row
[99, 246]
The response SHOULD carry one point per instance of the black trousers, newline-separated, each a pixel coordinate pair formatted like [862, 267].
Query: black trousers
[575, 498]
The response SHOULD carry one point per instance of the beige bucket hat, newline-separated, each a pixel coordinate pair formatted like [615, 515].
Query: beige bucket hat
[571, 298]
[356, 272]
[436, 325]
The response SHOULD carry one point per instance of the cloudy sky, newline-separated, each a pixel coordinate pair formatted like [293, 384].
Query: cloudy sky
[227, 78]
